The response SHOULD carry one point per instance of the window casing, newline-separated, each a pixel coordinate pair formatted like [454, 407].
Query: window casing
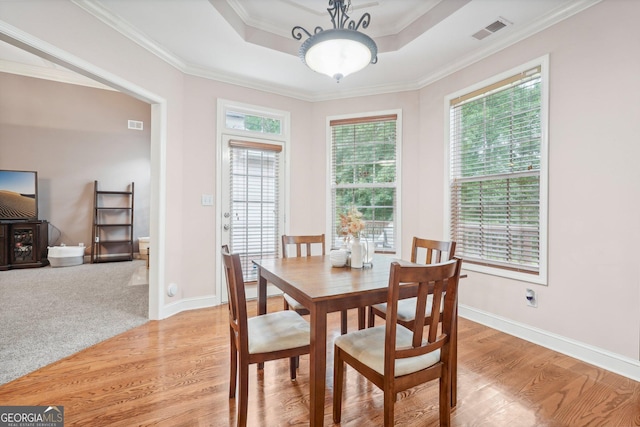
[364, 173]
[252, 189]
[497, 164]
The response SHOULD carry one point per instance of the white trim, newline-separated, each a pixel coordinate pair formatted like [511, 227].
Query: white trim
[158, 210]
[561, 13]
[565, 11]
[49, 73]
[398, 224]
[131, 32]
[221, 132]
[29, 43]
[187, 304]
[157, 216]
[542, 277]
[328, 202]
[604, 359]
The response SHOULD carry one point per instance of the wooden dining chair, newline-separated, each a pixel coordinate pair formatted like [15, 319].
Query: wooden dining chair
[423, 251]
[306, 242]
[396, 358]
[277, 335]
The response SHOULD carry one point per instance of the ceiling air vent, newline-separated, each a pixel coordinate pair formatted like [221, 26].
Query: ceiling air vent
[491, 28]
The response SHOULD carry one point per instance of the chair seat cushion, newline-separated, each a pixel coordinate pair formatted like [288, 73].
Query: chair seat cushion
[293, 304]
[367, 346]
[407, 308]
[277, 331]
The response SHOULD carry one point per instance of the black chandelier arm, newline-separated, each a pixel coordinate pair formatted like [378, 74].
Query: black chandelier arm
[365, 20]
[298, 35]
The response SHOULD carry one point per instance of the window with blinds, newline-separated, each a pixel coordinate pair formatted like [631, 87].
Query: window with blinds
[496, 166]
[254, 204]
[364, 175]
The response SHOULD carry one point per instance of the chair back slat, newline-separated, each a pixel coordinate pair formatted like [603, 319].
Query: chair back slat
[420, 313]
[432, 251]
[439, 279]
[237, 297]
[299, 242]
[439, 288]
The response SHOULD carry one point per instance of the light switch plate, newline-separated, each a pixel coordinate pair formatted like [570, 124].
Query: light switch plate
[207, 200]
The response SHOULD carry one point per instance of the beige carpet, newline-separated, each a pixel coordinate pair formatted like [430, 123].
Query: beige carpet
[50, 313]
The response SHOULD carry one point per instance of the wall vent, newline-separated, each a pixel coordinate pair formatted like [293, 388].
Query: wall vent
[491, 28]
[135, 124]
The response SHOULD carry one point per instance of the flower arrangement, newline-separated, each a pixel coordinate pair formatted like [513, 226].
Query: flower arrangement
[351, 223]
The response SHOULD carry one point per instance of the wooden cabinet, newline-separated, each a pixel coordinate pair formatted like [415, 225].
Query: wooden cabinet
[24, 244]
[3, 245]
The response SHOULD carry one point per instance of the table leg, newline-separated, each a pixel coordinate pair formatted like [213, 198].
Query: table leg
[262, 302]
[262, 294]
[454, 358]
[317, 364]
[343, 322]
[361, 316]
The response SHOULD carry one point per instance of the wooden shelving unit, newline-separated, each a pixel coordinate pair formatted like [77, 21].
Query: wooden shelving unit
[112, 238]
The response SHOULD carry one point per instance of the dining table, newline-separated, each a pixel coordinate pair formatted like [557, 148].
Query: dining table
[324, 289]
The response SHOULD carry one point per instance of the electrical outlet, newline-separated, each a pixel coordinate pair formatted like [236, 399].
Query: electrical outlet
[532, 298]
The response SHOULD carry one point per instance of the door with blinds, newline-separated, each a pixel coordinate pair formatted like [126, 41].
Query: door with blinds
[252, 205]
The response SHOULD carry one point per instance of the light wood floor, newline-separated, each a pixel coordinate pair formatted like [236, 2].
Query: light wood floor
[175, 373]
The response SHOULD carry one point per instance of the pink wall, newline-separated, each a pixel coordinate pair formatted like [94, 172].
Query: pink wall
[594, 224]
[593, 206]
[73, 135]
[199, 156]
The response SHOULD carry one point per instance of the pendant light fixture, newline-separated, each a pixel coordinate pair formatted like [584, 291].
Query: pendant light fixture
[339, 51]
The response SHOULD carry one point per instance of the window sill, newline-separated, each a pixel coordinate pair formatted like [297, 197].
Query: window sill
[539, 279]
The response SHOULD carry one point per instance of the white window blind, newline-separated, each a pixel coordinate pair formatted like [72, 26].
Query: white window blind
[495, 173]
[254, 204]
[363, 175]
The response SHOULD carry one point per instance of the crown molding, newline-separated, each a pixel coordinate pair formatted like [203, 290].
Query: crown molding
[300, 95]
[131, 32]
[550, 19]
[256, 84]
[41, 48]
[144, 41]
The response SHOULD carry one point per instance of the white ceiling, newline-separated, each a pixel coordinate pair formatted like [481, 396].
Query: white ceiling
[249, 42]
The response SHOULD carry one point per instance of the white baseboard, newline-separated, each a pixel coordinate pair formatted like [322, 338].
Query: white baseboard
[188, 304]
[604, 359]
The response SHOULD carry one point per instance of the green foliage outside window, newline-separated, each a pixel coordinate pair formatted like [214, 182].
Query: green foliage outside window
[501, 133]
[495, 183]
[364, 173]
[253, 123]
[262, 124]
